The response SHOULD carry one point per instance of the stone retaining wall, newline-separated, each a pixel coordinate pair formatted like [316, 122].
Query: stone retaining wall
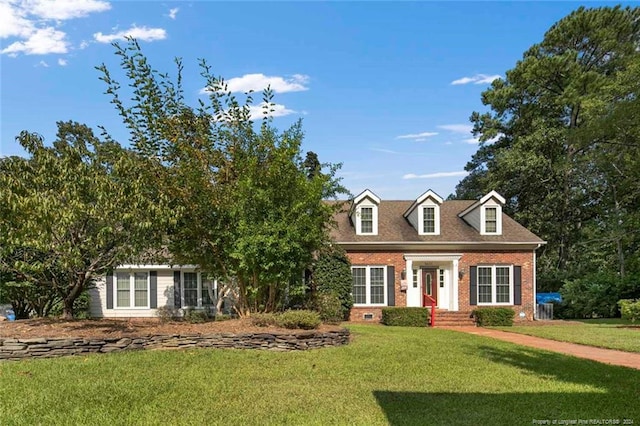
[14, 349]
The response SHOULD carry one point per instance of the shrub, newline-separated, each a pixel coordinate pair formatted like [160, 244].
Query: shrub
[332, 275]
[486, 317]
[196, 316]
[630, 309]
[330, 308]
[222, 317]
[166, 313]
[263, 320]
[405, 317]
[306, 320]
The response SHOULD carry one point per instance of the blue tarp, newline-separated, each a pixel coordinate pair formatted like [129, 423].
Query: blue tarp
[548, 297]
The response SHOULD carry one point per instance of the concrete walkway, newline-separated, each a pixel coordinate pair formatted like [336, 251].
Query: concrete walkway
[607, 356]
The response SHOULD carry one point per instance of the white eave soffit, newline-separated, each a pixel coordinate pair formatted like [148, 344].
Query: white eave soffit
[429, 194]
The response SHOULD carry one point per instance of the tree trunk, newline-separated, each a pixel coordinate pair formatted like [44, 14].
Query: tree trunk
[76, 289]
[67, 308]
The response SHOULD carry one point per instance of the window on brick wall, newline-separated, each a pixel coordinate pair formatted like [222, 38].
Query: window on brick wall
[495, 285]
[369, 285]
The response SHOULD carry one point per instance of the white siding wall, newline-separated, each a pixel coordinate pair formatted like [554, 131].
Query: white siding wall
[413, 219]
[473, 218]
[99, 298]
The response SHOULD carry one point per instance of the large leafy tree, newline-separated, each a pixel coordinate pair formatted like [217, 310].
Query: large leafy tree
[566, 151]
[252, 210]
[73, 210]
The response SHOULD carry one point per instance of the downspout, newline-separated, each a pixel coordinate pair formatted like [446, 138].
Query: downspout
[535, 283]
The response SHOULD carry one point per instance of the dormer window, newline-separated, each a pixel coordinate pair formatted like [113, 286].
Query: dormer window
[428, 219]
[490, 220]
[364, 213]
[424, 214]
[485, 215]
[366, 220]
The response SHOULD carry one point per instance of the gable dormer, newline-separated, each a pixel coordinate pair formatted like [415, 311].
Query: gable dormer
[424, 214]
[485, 215]
[364, 213]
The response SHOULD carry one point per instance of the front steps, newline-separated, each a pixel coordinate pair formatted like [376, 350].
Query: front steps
[453, 319]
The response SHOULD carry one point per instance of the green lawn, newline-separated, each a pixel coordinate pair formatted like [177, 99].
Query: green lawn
[386, 375]
[603, 333]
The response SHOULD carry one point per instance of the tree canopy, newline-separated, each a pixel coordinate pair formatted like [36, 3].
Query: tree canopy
[561, 142]
[76, 209]
[251, 210]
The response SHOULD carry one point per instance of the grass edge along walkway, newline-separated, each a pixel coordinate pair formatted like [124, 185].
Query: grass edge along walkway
[607, 356]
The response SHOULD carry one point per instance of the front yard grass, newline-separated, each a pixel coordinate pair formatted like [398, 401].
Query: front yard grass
[609, 333]
[392, 375]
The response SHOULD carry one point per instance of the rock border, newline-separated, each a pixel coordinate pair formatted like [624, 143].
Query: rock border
[17, 349]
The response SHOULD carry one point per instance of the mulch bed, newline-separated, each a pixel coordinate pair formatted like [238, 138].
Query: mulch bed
[46, 327]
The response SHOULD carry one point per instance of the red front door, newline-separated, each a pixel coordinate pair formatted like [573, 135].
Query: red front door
[429, 286]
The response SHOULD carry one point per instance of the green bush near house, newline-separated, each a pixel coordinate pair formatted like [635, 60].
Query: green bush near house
[306, 320]
[405, 317]
[196, 316]
[488, 317]
[263, 320]
[302, 319]
[630, 309]
[330, 308]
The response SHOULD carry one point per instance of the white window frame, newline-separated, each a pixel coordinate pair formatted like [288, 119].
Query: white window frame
[483, 219]
[436, 218]
[374, 219]
[367, 269]
[199, 289]
[494, 293]
[132, 289]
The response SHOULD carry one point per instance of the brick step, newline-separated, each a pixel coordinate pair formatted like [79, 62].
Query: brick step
[455, 324]
[454, 318]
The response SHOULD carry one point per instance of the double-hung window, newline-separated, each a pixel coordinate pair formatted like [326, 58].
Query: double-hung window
[369, 285]
[366, 220]
[132, 290]
[495, 285]
[491, 220]
[196, 289]
[428, 219]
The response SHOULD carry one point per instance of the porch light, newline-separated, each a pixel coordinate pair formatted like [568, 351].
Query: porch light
[403, 274]
[461, 273]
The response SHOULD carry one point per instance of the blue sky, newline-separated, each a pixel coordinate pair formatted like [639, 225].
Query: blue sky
[384, 88]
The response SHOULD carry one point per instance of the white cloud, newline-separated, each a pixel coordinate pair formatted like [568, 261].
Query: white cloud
[417, 136]
[66, 9]
[62, 62]
[173, 12]
[258, 82]
[13, 21]
[386, 151]
[257, 111]
[41, 42]
[475, 141]
[43, 64]
[476, 79]
[84, 44]
[457, 128]
[435, 175]
[139, 33]
[37, 24]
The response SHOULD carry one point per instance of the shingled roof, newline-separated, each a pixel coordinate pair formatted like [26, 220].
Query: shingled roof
[394, 228]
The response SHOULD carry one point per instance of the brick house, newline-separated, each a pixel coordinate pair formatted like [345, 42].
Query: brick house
[458, 255]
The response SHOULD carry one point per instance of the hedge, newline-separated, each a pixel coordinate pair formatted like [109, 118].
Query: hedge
[487, 317]
[405, 317]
